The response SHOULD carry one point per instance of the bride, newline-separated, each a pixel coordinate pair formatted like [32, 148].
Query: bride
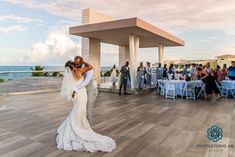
[75, 133]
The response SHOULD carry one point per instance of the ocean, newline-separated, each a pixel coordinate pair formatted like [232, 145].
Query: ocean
[6, 76]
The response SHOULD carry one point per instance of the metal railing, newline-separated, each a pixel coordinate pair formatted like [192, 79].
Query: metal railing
[10, 75]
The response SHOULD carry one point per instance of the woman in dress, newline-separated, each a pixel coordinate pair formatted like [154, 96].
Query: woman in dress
[114, 75]
[209, 81]
[140, 76]
[75, 133]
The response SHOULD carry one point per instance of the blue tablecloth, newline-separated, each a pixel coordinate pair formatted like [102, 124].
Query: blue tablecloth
[179, 85]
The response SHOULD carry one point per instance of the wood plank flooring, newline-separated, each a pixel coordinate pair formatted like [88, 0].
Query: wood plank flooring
[143, 125]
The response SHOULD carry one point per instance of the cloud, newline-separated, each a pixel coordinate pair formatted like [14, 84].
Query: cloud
[11, 29]
[57, 48]
[174, 15]
[19, 19]
[182, 17]
[2, 60]
[65, 8]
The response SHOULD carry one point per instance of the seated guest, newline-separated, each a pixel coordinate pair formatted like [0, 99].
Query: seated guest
[140, 76]
[215, 73]
[222, 74]
[164, 74]
[159, 71]
[209, 81]
[149, 73]
[231, 71]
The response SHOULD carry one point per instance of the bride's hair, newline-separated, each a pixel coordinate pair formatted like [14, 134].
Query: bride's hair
[70, 64]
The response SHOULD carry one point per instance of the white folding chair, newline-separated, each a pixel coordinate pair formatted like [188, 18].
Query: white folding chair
[161, 87]
[219, 87]
[226, 89]
[202, 91]
[170, 90]
[189, 90]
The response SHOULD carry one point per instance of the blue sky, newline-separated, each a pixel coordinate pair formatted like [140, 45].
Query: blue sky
[36, 32]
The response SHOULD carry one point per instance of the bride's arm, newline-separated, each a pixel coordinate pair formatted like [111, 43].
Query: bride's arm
[87, 68]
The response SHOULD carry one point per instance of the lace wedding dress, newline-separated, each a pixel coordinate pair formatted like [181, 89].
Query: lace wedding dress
[75, 132]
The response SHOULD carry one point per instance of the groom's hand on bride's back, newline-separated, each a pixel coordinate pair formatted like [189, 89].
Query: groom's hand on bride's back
[73, 95]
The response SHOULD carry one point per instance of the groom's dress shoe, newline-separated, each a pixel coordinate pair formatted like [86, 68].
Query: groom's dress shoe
[126, 93]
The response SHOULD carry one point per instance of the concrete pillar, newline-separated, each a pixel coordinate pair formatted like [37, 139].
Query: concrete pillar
[137, 43]
[91, 47]
[133, 48]
[94, 56]
[124, 55]
[161, 54]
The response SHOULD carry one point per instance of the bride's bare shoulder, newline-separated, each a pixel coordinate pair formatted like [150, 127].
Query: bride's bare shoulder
[77, 74]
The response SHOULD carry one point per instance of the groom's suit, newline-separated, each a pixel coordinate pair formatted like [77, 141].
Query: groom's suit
[92, 92]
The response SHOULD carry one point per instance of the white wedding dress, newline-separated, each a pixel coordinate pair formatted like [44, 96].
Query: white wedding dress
[75, 132]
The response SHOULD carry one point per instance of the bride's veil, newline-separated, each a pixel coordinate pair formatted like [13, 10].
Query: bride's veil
[68, 84]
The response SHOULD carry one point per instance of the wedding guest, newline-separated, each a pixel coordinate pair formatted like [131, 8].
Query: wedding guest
[171, 71]
[159, 72]
[164, 73]
[222, 74]
[216, 72]
[192, 70]
[140, 76]
[185, 72]
[114, 75]
[208, 67]
[209, 81]
[125, 76]
[231, 71]
[149, 73]
[225, 66]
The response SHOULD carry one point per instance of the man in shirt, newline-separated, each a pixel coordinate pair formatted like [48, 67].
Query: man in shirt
[125, 75]
[231, 71]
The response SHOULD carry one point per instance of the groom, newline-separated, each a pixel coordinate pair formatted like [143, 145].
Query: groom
[91, 85]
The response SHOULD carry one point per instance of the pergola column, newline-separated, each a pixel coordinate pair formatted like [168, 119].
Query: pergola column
[124, 55]
[94, 56]
[133, 47]
[161, 54]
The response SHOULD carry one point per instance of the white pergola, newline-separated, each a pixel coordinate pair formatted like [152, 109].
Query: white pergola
[130, 35]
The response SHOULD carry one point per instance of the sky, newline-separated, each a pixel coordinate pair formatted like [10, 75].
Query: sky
[35, 32]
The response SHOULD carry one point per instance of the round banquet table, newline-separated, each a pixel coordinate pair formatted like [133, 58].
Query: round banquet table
[229, 83]
[179, 85]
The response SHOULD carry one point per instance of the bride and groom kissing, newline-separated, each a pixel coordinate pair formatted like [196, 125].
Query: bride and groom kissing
[75, 133]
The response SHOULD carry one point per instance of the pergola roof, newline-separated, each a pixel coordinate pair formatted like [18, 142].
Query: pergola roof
[117, 32]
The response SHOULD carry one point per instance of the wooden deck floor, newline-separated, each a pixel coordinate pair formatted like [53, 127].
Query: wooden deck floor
[143, 125]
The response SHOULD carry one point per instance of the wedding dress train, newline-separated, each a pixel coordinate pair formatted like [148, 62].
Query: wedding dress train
[75, 132]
